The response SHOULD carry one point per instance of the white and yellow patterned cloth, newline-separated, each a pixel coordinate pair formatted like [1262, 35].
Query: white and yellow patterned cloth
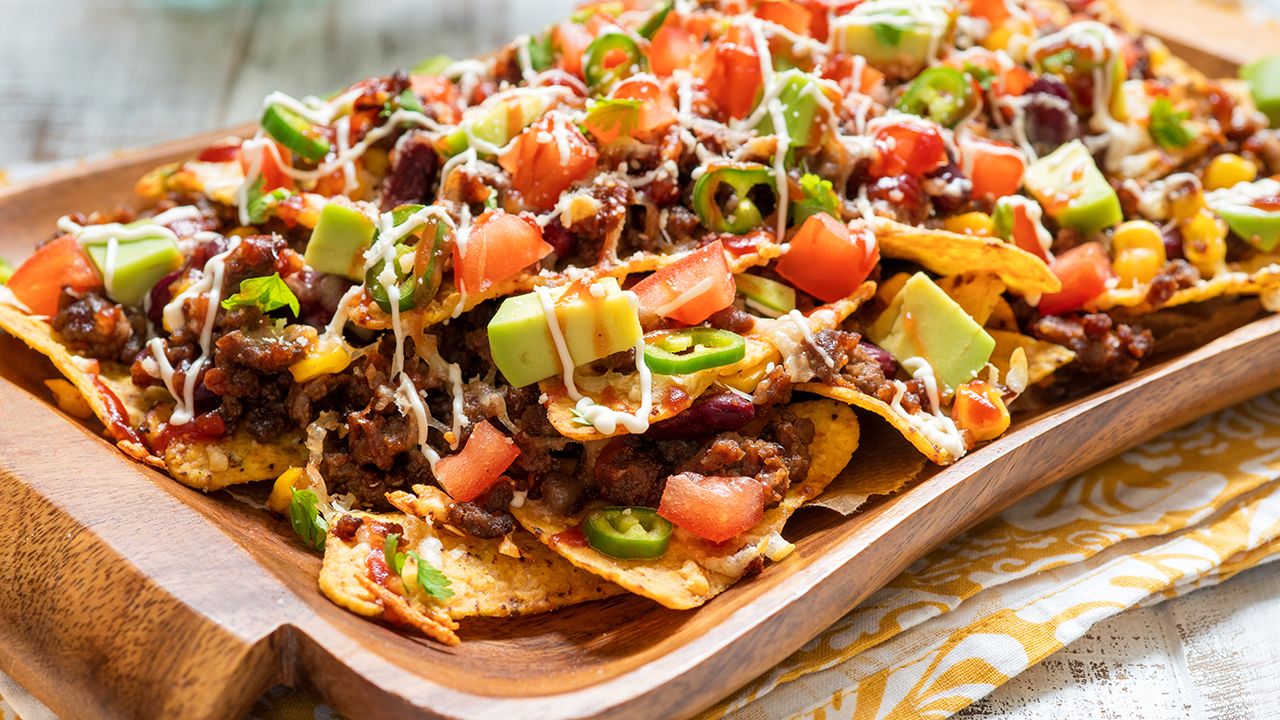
[1185, 511]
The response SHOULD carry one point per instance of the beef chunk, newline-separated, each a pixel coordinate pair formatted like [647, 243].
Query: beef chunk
[1103, 347]
[92, 325]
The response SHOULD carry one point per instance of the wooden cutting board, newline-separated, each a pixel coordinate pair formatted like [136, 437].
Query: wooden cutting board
[123, 594]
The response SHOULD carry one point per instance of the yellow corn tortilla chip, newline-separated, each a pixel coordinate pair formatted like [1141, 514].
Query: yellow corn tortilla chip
[1237, 282]
[850, 396]
[948, 253]
[120, 406]
[886, 464]
[1043, 358]
[487, 581]
[976, 293]
[692, 571]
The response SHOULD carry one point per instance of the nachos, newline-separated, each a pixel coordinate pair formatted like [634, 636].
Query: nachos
[593, 315]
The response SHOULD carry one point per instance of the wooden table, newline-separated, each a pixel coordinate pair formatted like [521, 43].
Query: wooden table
[83, 77]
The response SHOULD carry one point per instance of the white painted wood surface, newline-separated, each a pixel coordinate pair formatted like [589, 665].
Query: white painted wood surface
[80, 78]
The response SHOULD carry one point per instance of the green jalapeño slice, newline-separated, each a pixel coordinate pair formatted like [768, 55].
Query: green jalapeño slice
[628, 532]
[681, 352]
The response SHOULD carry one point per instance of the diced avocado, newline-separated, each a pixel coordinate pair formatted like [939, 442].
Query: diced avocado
[1263, 78]
[338, 243]
[801, 101]
[496, 122]
[1072, 190]
[596, 319]
[1259, 227]
[900, 40]
[923, 321]
[136, 267]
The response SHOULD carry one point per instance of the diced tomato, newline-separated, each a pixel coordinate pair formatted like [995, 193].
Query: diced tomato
[851, 73]
[221, 153]
[910, 147]
[994, 12]
[713, 508]
[38, 282]
[1084, 271]
[995, 167]
[671, 49]
[571, 40]
[474, 469]
[657, 109]
[1027, 231]
[731, 69]
[499, 246]
[439, 94]
[272, 176]
[539, 167]
[818, 12]
[664, 292]
[827, 260]
[790, 15]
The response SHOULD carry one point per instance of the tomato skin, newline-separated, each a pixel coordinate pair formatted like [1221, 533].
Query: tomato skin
[827, 260]
[851, 74]
[995, 167]
[665, 285]
[438, 93]
[790, 15]
[474, 469]
[38, 282]
[671, 49]
[272, 176]
[538, 170]
[908, 147]
[500, 246]
[571, 39]
[1084, 271]
[994, 12]
[818, 13]
[222, 153]
[713, 508]
[731, 70]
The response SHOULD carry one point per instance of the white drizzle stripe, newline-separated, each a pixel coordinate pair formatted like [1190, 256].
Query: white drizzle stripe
[801, 322]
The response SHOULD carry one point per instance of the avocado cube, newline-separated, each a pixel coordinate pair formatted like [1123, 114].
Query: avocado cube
[896, 39]
[1259, 227]
[800, 98]
[498, 121]
[337, 244]
[1263, 78]
[923, 321]
[136, 267]
[1072, 190]
[596, 318]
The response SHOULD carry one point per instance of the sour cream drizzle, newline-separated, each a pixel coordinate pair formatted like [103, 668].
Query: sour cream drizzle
[934, 424]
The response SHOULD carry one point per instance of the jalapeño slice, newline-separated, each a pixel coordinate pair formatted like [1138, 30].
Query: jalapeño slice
[294, 132]
[942, 94]
[610, 58]
[628, 532]
[417, 279]
[723, 197]
[681, 352]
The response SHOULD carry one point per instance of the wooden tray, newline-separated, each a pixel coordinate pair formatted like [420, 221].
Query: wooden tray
[124, 594]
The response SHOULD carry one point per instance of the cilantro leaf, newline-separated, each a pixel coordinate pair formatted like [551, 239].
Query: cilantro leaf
[395, 560]
[430, 580]
[261, 204]
[1169, 127]
[886, 34]
[819, 196]
[541, 54]
[614, 116]
[305, 517]
[265, 293]
[655, 21]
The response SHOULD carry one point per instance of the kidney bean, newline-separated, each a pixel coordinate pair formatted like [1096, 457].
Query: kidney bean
[882, 356]
[710, 415]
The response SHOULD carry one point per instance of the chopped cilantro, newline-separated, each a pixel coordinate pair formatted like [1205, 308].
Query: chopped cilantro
[1169, 127]
[819, 196]
[614, 116]
[265, 293]
[430, 580]
[541, 54]
[304, 515]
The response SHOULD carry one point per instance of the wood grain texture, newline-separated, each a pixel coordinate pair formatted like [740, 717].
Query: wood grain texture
[169, 602]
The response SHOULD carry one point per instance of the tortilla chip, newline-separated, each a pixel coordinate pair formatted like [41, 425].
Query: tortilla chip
[485, 579]
[851, 396]
[1135, 301]
[948, 253]
[673, 394]
[1043, 358]
[121, 406]
[976, 293]
[692, 571]
[885, 465]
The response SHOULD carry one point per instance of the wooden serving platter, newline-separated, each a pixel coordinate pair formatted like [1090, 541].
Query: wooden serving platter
[124, 594]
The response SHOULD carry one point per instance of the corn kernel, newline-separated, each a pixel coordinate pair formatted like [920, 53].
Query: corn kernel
[980, 409]
[1138, 234]
[1227, 170]
[1137, 266]
[282, 492]
[970, 223]
[321, 362]
[1204, 242]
